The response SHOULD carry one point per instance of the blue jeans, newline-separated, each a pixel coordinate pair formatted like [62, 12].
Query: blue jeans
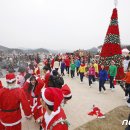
[81, 76]
[90, 77]
[101, 85]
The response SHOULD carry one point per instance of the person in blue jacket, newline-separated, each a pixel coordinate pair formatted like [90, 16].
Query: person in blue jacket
[77, 64]
[103, 76]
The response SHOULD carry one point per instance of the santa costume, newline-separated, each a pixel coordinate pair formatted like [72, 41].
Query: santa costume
[46, 76]
[67, 63]
[1, 86]
[66, 93]
[33, 97]
[21, 76]
[97, 112]
[11, 97]
[57, 119]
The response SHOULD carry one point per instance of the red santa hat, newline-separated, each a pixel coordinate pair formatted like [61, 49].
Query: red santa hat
[52, 97]
[66, 91]
[10, 78]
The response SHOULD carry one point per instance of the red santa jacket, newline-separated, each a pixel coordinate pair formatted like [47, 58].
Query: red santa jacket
[96, 111]
[46, 80]
[10, 100]
[34, 98]
[37, 90]
[52, 63]
[57, 121]
[1, 86]
[67, 62]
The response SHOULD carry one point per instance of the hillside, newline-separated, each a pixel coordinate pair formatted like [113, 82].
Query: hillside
[16, 50]
[2, 48]
[93, 50]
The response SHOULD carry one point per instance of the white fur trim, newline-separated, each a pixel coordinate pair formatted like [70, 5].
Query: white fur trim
[49, 118]
[39, 107]
[11, 124]
[69, 95]
[28, 80]
[101, 117]
[11, 87]
[10, 80]
[44, 98]
[37, 78]
[28, 116]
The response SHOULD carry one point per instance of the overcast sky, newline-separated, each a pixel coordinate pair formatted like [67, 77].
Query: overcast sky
[60, 24]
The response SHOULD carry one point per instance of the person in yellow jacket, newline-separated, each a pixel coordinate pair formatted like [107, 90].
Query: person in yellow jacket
[82, 71]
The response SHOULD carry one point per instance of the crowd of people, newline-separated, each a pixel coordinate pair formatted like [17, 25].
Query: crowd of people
[42, 91]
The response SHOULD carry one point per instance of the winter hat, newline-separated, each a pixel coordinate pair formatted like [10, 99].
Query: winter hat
[66, 91]
[52, 97]
[10, 78]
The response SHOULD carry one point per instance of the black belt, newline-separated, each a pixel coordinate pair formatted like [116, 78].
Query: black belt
[12, 110]
[34, 96]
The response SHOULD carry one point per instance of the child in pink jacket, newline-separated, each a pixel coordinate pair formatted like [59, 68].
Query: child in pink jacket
[91, 74]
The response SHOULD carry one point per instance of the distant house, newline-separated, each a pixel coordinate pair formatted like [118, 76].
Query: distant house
[81, 52]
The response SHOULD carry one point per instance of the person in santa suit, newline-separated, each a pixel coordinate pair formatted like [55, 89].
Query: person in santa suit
[52, 63]
[21, 76]
[66, 93]
[31, 68]
[1, 86]
[67, 64]
[37, 70]
[11, 98]
[54, 117]
[47, 75]
[32, 88]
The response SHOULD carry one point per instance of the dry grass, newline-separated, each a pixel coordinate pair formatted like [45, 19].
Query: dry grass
[113, 120]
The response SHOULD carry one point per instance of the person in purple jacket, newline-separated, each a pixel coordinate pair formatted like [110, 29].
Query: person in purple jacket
[62, 67]
[103, 76]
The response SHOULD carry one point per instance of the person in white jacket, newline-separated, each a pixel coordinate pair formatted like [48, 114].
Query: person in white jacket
[56, 64]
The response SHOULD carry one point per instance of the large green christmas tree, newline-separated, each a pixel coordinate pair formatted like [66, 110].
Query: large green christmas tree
[111, 49]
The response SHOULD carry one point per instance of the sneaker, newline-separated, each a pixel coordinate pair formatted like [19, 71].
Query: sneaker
[105, 92]
[99, 92]
[128, 104]
[113, 89]
[81, 82]
[125, 98]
